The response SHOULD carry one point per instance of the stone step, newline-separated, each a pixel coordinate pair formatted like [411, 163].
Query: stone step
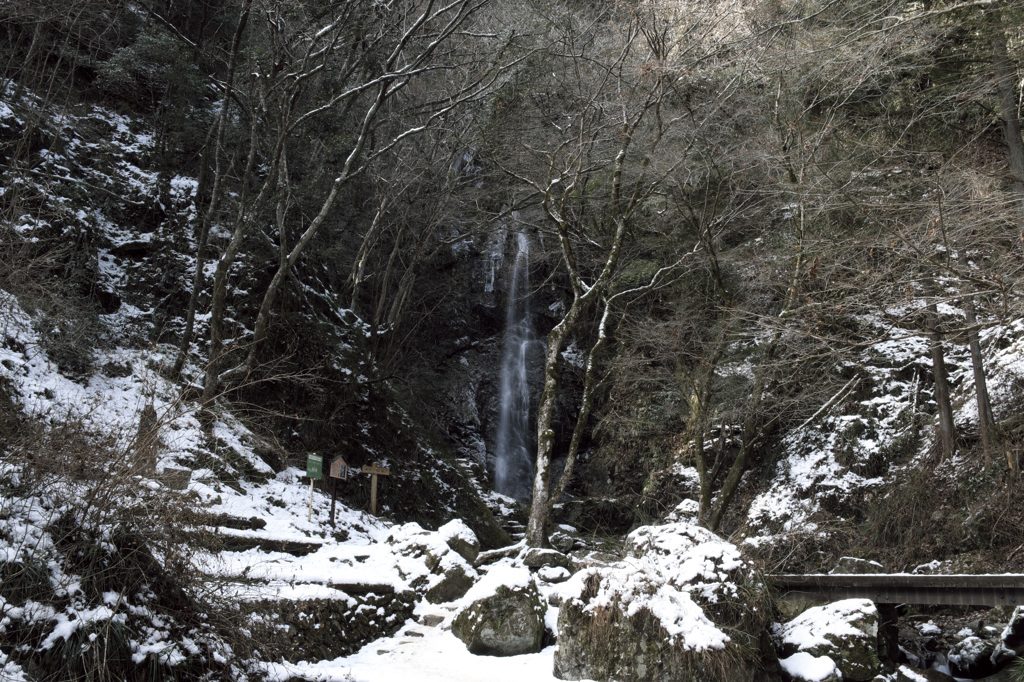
[243, 543]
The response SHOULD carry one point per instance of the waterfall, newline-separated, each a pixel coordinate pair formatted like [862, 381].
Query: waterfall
[513, 458]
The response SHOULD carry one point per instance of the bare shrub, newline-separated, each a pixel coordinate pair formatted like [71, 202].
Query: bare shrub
[93, 544]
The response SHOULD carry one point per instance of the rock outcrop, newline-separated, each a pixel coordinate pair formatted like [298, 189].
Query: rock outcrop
[1011, 640]
[460, 539]
[435, 562]
[843, 634]
[972, 657]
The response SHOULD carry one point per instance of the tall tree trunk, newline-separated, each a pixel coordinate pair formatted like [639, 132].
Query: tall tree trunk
[586, 405]
[947, 433]
[696, 427]
[986, 422]
[219, 293]
[700, 399]
[536, 528]
[752, 430]
[204, 229]
[1005, 89]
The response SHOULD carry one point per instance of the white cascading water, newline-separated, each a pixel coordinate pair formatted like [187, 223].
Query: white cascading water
[513, 460]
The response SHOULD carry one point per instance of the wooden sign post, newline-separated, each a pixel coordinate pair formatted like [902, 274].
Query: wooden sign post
[339, 469]
[374, 472]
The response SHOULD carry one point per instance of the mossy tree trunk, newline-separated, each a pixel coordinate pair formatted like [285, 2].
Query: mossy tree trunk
[986, 421]
[536, 529]
[946, 429]
[1006, 85]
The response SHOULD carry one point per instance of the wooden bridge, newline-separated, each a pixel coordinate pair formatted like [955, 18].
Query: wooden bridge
[958, 590]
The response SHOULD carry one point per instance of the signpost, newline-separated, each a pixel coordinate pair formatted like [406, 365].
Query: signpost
[315, 471]
[339, 469]
[374, 470]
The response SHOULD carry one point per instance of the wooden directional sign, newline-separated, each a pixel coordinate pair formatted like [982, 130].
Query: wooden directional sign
[374, 472]
[339, 469]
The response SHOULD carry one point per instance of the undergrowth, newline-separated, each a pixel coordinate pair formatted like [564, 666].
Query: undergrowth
[97, 582]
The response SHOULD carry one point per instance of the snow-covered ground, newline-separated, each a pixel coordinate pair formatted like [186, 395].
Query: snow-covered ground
[422, 653]
[369, 555]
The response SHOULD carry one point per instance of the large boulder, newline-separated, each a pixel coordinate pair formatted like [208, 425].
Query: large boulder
[683, 607]
[844, 631]
[502, 615]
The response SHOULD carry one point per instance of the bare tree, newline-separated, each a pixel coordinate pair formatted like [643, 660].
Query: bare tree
[320, 64]
[615, 134]
[213, 148]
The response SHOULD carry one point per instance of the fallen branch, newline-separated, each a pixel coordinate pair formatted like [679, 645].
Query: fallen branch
[843, 392]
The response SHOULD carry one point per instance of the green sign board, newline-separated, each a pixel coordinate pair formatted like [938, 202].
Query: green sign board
[314, 466]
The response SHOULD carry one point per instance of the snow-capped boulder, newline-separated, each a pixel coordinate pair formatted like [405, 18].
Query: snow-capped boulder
[562, 541]
[450, 585]
[553, 574]
[459, 538]
[683, 606]
[805, 667]
[844, 631]
[535, 557]
[502, 615]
